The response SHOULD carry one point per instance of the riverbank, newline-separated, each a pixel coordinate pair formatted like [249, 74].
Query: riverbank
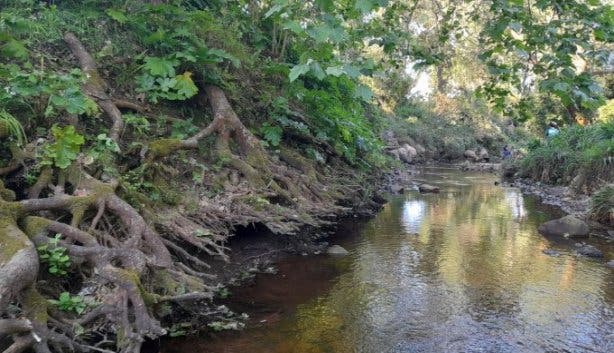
[469, 259]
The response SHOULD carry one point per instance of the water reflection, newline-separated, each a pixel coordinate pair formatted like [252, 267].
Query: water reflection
[413, 215]
[460, 271]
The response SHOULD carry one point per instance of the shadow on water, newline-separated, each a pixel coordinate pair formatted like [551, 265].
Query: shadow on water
[458, 271]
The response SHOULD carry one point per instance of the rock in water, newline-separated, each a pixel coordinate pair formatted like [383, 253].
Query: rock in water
[336, 250]
[397, 189]
[551, 252]
[588, 250]
[610, 264]
[428, 188]
[566, 226]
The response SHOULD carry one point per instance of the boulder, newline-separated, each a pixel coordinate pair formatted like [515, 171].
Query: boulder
[566, 226]
[420, 149]
[470, 154]
[588, 250]
[428, 188]
[483, 155]
[410, 149]
[336, 250]
[406, 153]
[397, 189]
[395, 153]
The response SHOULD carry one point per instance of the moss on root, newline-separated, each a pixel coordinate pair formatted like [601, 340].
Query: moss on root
[35, 305]
[163, 147]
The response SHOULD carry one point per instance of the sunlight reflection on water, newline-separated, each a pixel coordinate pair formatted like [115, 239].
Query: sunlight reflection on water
[458, 271]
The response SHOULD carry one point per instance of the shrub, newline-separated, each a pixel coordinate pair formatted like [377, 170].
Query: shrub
[602, 205]
[576, 151]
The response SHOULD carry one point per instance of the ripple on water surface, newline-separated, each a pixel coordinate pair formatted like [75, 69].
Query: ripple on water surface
[458, 271]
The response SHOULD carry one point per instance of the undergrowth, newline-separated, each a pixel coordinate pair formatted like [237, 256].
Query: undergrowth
[602, 205]
[585, 153]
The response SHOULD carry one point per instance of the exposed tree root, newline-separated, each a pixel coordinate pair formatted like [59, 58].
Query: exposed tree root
[95, 86]
[133, 261]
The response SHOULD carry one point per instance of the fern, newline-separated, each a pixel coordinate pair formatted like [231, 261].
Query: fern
[9, 126]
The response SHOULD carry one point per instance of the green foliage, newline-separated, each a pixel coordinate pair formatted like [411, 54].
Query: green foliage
[103, 150]
[68, 303]
[602, 205]
[178, 38]
[9, 126]
[180, 329]
[447, 128]
[62, 91]
[337, 117]
[575, 150]
[160, 81]
[606, 112]
[65, 148]
[182, 129]
[544, 38]
[272, 134]
[138, 123]
[55, 256]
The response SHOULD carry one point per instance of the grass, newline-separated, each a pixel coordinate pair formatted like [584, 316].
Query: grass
[583, 152]
[602, 205]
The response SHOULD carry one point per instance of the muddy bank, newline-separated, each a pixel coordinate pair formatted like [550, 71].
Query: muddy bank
[564, 198]
[561, 196]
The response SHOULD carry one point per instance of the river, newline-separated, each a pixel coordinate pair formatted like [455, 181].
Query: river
[458, 271]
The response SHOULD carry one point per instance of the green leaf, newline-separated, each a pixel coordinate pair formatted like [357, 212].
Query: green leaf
[363, 6]
[317, 71]
[335, 71]
[14, 49]
[166, 83]
[351, 71]
[293, 26]
[164, 67]
[117, 15]
[272, 134]
[66, 146]
[219, 53]
[299, 70]
[364, 93]
[273, 10]
[185, 85]
[561, 87]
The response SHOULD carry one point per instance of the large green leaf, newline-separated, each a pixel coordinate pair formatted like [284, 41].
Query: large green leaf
[185, 85]
[299, 70]
[157, 66]
[64, 150]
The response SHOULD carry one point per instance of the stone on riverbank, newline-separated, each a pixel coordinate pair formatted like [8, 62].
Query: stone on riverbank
[588, 250]
[565, 226]
[470, 154]
[428, 188]
[336, 250]
[610, 264]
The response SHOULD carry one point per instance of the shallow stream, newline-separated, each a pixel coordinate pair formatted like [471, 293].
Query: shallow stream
[458, 271]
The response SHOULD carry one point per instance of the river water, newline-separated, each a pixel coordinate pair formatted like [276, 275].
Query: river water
[458, 271]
